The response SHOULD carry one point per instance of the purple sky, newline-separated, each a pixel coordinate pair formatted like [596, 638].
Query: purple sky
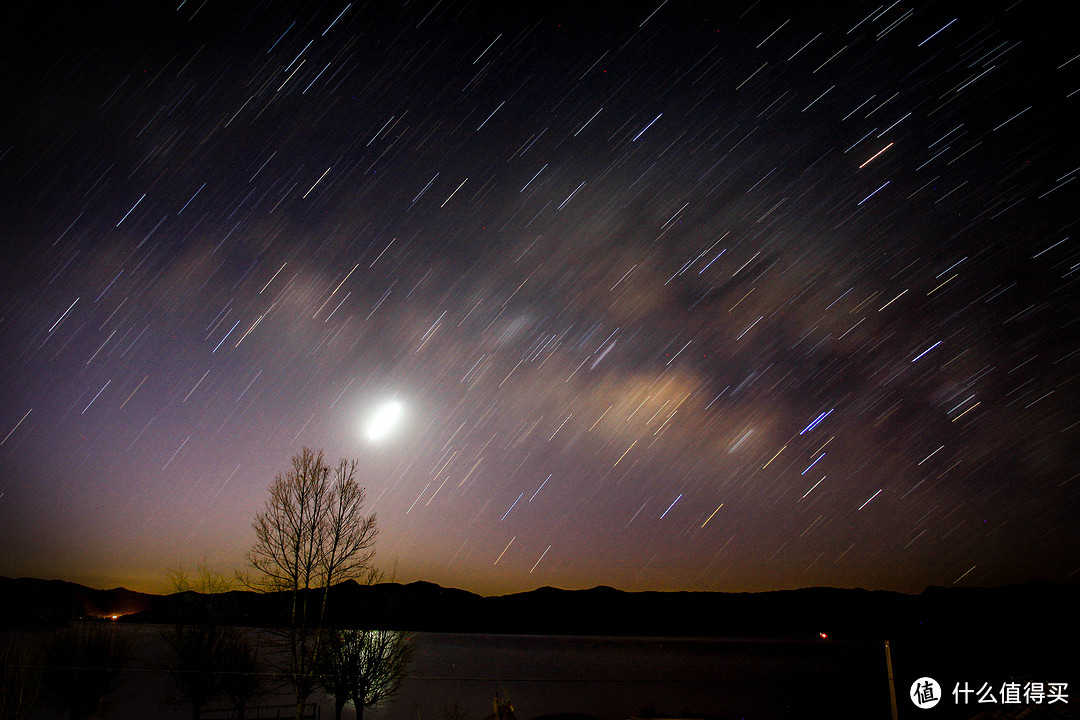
[696, 296]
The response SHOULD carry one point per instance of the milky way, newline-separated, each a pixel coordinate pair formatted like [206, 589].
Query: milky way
[731, 296]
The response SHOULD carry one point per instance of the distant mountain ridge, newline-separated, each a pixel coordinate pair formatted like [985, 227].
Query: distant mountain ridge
[424, 606]
[30, 602]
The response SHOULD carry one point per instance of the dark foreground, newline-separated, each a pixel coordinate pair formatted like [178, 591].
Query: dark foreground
[613, 678]
[994, 653]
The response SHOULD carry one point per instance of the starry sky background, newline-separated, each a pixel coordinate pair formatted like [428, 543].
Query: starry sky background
[727, 296]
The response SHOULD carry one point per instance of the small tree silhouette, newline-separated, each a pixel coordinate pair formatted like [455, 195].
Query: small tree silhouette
[364, 667]
[195, 667]
[208, 661]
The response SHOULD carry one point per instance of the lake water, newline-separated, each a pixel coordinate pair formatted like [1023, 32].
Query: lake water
[608, 678]
[616, 678]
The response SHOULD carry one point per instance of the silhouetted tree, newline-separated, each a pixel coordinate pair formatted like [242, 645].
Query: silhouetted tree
[364, 667]
[82, 666]
[195, 666]
[213, 663]
[311, 534]
[207, 580]
[208, 661]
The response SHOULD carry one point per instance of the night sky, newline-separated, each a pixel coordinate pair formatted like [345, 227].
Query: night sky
[687, 296]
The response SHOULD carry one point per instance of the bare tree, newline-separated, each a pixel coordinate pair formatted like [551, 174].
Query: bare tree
[311, 534]
[364, 667]
[208, 661]
[195, 640]
[194, 666]
[207, 580]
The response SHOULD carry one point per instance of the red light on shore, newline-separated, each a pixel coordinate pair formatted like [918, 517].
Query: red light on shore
[823, 636]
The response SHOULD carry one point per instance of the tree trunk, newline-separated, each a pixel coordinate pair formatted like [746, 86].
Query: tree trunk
[241, 711]
[300, 702]
[339, 705]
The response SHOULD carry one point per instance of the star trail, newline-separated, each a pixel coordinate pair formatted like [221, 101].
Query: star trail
[678, 296]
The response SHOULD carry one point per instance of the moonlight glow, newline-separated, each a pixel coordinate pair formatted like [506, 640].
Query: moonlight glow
[382, 423]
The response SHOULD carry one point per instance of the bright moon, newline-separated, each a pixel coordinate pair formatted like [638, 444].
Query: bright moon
[383, 421]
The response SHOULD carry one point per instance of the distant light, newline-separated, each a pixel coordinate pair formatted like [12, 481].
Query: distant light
[824, 636]
[383, 421]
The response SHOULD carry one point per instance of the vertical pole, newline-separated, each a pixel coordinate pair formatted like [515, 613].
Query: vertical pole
[892, 683]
